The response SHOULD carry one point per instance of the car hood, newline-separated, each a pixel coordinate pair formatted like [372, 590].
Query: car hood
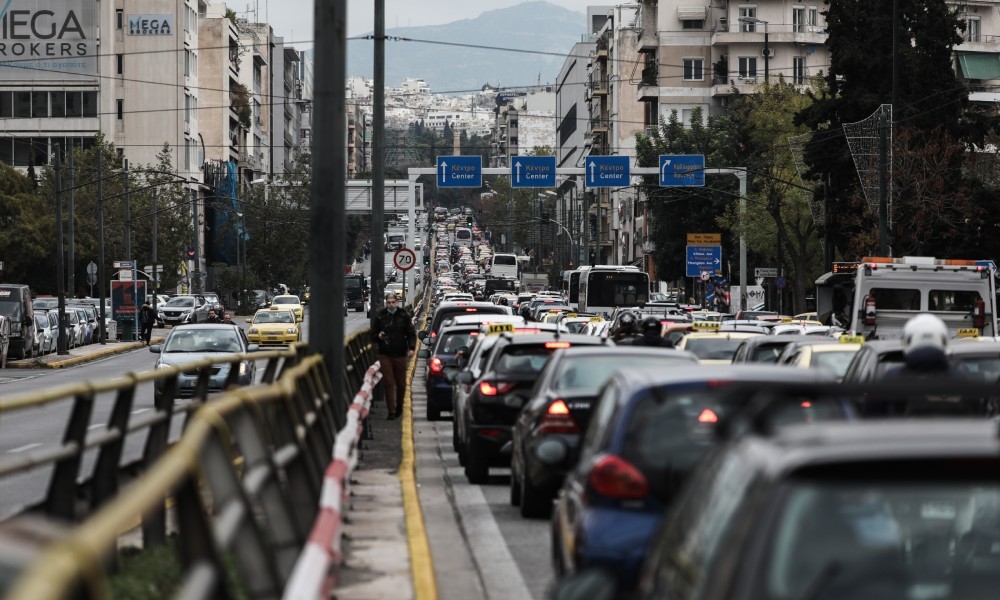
[275, 327]
[181, 358]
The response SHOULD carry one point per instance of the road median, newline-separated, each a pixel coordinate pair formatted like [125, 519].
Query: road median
[91, 353]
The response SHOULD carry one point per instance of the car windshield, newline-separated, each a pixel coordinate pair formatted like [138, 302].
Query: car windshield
[180, 303]
[203, 340]
[285, 300]
[451, 342]
[670, 430]
[766, 353]
[44, 303]
[523, 359]
[876, 539]
[836, 362]
[11, 309]
[713, 348]
[274, 316]
[589, 373]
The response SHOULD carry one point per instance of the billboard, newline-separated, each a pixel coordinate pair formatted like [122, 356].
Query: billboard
[126, 298]
[150, 24]
[45, 40]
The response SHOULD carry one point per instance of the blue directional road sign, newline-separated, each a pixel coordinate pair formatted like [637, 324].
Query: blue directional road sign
[703, 258]
[682, 170]
[533, 171]
[607, 171]
[459, 171]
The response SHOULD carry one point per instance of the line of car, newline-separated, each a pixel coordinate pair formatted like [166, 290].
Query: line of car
[735, 464]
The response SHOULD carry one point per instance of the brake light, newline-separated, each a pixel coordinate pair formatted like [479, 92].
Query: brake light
[487, 389]
[472, 310]
[708, 416]
[807, 404]
[434, 334]
[526, 330]
[436, 365]
[558, 420]
[615, 477]
[556, 345]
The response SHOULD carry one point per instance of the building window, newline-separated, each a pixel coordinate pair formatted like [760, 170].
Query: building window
[748, 67]
[22, 105]
[972, 29]
[798, 19]
[694, 69]
[88, 104]
[799, 70]
[121, 109]
[6, 106]
[749, 12]
[57, 102]
[692, 24]
[120, 58]
[813, 16]
[120, 18]
[39, 105]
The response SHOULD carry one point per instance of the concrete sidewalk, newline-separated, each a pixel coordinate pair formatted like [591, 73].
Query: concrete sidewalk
[82, 354]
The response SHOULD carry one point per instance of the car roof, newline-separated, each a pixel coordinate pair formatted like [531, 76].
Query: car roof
[205, 326]
[641, 379]
[605, 350]
[540, 338]
[792, 447]
[479, 318]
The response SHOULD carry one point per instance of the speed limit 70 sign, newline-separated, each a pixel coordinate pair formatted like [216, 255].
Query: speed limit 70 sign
[404, 259]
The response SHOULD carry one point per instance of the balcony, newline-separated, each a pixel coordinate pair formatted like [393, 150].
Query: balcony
[778, 34]
[649, 84]
[601, 52]
[973, 42]
[599, 87]
[599, 124]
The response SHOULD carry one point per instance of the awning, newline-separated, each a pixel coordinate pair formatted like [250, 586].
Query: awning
[692, 13]
[980, 65]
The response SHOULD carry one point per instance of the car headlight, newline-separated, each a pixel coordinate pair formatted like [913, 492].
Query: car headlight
[160, 314]
[163, 366]
[253, 331]
[292, 330]
[243, 368]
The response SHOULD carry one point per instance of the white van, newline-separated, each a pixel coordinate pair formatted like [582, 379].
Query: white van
[504, 265]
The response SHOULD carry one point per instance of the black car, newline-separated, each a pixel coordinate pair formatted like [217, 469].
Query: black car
[447, 310]
[764, 349]
[355, 291]
[559, 410]
[867, 511]
[440, 356]
[497, 397]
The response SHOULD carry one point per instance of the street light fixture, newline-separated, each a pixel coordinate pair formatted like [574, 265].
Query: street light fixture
[767, 48]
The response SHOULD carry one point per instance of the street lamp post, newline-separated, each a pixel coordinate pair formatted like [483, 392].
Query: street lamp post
[767, 48]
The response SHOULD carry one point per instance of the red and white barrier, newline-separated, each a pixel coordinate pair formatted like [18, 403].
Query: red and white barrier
[312, 576]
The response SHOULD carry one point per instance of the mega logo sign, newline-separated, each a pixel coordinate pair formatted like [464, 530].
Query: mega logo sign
[150, 24]
[41, 39]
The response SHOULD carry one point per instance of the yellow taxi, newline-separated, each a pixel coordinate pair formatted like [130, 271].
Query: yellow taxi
[713, 347]
[273, 327]
[451, 227]
[289, 302]
[305, 296]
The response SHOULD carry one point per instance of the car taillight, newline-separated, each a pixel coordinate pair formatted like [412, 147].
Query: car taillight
[708, 416]
[615, 477]
[488, 389]
[434, 334]
[436, 365]
[558, 420]
[556, 345]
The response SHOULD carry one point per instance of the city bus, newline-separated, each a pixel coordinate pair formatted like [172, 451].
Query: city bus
[606, 287]
[463, 236]
[570, 287]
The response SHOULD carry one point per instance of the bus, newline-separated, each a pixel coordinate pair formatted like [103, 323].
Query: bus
[463, 236]
[504, 265]
[606, 287]
[570, 287]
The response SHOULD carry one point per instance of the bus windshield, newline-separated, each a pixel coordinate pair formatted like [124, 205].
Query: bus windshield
[617, 289]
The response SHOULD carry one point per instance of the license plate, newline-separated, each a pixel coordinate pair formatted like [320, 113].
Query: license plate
[272, 338]
[938, 510]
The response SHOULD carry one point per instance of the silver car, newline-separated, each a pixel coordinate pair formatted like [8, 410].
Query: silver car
[190, 343]
[46, 333]
[181, 310]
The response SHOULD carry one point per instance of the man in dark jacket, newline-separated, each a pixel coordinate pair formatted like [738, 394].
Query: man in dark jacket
[396, 339]
[147, 318]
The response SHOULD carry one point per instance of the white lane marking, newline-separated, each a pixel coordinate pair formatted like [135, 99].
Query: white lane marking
[22, 448]
[500, 574]
[139, 411]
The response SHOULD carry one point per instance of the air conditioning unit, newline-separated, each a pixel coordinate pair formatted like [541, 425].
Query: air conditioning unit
[767, 52]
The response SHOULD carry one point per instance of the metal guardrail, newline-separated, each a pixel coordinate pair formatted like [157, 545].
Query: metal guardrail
[243, 481]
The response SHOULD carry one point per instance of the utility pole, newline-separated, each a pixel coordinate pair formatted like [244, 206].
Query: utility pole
[100, 243]
[585, 259]
[154, 250]
[883, 191]
[128, 219]
[378, 168]
[60, 270]
[71, 259]
[194, 279]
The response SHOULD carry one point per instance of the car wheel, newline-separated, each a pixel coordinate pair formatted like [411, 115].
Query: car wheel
[477, 470]
[433, 412]
[454, 433]
[534, 504]
[515, 488]
[194, 318]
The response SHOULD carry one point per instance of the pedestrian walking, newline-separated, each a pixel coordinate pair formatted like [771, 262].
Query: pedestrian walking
[396, 339]
[228, 318]
[147, 318]
[213, 317]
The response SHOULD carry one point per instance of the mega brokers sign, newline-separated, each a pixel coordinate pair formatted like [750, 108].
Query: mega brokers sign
[150, 24]
[41, 39]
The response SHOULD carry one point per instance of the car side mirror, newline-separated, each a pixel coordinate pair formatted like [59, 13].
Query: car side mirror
[464, 377]
[451, 374]
[249, 320]
[156, 348]
[423, 353]
[253, 348]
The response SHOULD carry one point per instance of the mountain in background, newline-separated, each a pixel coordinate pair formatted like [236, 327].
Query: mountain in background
[534, 26]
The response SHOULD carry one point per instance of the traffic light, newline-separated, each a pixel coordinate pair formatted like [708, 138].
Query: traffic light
[468, 221]
[190, 252]
[427, 258]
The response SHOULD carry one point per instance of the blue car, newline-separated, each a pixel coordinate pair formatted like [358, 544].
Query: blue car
[646, 434]
[440, 356]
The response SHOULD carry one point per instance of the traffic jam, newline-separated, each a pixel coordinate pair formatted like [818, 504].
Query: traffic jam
[679, 452]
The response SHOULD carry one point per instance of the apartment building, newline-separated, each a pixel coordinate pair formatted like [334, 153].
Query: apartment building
[977, 58]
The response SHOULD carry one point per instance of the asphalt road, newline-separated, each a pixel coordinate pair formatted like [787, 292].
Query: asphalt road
[27, 431]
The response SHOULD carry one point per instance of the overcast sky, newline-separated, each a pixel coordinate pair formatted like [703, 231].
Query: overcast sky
[292, 19]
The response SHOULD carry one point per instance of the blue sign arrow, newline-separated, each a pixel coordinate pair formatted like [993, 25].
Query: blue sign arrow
[608, 171]
[533, 171]
[682, 170]
[703, 258]
[459, 171]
